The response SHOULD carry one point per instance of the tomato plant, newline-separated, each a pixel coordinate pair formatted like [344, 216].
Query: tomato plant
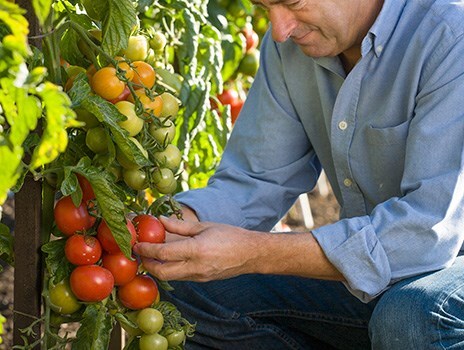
[82, 250]
[122, 268]
[91, 283]
[149, 229]
[70, 218]
[139, 293]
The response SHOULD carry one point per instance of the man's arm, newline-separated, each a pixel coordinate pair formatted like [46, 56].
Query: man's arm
[217, 251]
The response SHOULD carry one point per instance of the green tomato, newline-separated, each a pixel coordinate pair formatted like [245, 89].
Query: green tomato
[175, 338]
[163, 177]
[137, 48]
[163, 135]
[168, 189]
[62, 299]
[250, 63]
[153, 342]
[135, 179]
[96, 140]
[150, 320]
[158, 41]
[170, 157]
[133, 124]
[170, 105]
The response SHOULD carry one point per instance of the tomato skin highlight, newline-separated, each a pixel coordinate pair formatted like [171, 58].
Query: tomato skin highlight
[82, 250]
[71, 219]
[149, 229]
[139, 293]
[107, 240]
[91, 283]
[123, 269]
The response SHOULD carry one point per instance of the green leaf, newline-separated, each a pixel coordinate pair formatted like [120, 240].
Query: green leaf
[6, 245]
[118, 24]
[57, 265]
[95, 330]
[42, 9]
[58, 116]
[111, 207]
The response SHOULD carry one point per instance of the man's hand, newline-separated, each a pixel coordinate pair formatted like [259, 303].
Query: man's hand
[211, 251]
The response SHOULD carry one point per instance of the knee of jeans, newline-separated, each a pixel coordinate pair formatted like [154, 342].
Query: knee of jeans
[412, 317]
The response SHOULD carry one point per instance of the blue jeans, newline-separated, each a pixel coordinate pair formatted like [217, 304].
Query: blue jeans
[283, 312]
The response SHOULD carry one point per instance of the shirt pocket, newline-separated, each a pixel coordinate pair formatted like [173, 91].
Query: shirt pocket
[392, 135]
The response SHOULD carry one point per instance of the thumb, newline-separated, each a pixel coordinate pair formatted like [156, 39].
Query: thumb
[181, 227]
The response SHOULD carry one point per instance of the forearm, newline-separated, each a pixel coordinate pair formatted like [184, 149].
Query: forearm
[296, 254]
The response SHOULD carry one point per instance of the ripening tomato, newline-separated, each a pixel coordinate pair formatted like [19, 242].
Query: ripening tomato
[235, 109]
[137, 48]
[150, 105]
[82, 250]
[170, 105]
[251, 37]
[139, 293]
[133, 124]
[149, 229]
[250, 63]
[124, 66]
[91, 283]
[228, 96]
[71, 219]
[62, 299]
[123, 269]
[86, 187]
[106, 83]
[124, 95]
[107, 240]
[144, 75]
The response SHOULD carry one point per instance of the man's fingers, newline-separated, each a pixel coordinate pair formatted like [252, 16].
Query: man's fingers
[181, 227]
[172, 251]
[166, 271]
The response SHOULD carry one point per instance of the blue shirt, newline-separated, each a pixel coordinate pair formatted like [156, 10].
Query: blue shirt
[389, 136]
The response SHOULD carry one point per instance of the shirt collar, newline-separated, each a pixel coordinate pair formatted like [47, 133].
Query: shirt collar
[383, 27]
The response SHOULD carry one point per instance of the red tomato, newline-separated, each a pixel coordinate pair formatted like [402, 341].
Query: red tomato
[71, 219]
[91, 283]
[123, 269]
[122, 97]
[107, 240]
[228, 97]
[139, 293]
[252, 38]
[149, 229]
[86, 187]
[82, 250]
[235, 109]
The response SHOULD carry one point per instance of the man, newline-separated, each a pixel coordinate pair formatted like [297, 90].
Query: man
[371, 91]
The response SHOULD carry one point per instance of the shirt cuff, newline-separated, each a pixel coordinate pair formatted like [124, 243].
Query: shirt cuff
[353, 248]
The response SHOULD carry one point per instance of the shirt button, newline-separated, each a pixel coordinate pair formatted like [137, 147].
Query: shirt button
[379, 49]
[342, 125]
[347, 182]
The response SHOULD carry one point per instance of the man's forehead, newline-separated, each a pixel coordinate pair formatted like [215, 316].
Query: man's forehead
[270, 2]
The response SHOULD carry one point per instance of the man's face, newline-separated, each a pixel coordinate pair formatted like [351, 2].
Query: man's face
[321, 27]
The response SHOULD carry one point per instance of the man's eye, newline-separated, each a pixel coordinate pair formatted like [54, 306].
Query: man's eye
[295, 5]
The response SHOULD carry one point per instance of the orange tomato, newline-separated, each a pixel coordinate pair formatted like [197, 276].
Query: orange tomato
[106, 84]
[151, 106]
[144, 75]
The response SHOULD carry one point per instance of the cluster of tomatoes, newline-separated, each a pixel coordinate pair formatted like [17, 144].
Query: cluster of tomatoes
[129, 83]
[99, 267]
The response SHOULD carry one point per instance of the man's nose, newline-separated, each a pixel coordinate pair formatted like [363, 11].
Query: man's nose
[283, 23]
